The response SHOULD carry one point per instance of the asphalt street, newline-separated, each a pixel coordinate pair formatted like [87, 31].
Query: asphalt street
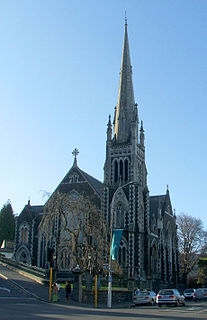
[22, 298]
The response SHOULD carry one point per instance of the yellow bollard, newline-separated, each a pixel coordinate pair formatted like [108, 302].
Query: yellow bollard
[50, 287]
[96, 291]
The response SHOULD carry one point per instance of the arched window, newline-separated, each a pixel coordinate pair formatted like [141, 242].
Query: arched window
[73, 178]
[121, 170]
[122, 254]
[115, 171]
[119, 222]
[24, 234]
[126, 166]
[154, 259]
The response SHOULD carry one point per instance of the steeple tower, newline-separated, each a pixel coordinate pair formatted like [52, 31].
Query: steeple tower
[126, 110]
[125, 153]
[125, 192]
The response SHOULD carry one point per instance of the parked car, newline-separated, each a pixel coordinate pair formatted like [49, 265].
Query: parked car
[201, 293]
[170, 297]
[190, 294]
[144, 297]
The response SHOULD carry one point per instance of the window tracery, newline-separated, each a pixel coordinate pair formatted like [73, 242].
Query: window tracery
[119, 216]
[24, 233]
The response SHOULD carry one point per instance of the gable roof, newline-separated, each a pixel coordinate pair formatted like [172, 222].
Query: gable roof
[161, 202]
[30, 213]
[66, 186]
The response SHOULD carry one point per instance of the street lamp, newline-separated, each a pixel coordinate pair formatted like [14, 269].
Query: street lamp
[109, 298]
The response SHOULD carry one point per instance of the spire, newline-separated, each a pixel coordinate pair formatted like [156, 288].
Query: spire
[75, 153]
[126, 111]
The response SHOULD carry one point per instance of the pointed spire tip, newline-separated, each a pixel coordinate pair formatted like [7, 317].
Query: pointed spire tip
[125, 18]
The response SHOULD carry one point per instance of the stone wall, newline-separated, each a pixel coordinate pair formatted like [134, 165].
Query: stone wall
[35, 273]
[118, 296]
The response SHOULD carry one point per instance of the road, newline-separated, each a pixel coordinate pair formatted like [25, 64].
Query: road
[18, 304]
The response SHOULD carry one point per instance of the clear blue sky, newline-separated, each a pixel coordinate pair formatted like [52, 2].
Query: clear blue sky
[59, 77]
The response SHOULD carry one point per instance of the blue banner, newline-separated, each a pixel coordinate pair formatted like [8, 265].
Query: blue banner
[115, 243]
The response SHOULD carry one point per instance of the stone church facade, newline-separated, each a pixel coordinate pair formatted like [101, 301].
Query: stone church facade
[148, 251]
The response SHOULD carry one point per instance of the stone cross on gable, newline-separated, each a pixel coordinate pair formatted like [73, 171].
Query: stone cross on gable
[75, 153]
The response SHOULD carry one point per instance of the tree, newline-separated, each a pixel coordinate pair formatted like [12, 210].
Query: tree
[202, 273]
[192, 242]
[73, 225]
[7, 223]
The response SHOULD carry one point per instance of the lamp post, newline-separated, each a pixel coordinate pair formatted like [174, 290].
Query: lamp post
[109, 298]
[109, 287]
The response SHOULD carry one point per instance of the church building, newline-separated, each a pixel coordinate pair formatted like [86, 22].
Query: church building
[148, 251]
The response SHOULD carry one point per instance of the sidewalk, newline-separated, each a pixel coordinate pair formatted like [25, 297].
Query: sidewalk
[41, 292]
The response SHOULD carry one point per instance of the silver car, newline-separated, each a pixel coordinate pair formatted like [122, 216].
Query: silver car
[201, 293]
[190, 293]
[170, 297]
[144, 297]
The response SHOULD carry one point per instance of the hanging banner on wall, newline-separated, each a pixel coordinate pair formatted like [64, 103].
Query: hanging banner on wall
[115, 243]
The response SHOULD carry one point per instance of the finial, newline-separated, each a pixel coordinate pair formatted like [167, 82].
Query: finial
[28, 202]
[75, 153]
[125, 18]
[167, 188]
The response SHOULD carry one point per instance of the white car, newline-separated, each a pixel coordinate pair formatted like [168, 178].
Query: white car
[144, 297]
[170, 297]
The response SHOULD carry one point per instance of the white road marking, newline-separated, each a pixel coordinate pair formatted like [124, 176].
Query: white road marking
[5, 289]
[193, 309]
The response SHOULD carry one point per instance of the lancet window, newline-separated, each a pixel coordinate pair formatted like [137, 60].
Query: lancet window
[24, 234]
[122, 254]
[121, 170]
[119, 217]
[73, 178]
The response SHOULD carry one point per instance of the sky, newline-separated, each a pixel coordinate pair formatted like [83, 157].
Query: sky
[59, 76]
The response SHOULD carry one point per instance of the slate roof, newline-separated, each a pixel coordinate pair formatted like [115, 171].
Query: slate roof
[36, 210]
[156, 202]
[32, 211]
[160, 202]
[65, 186]
[95, 183]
